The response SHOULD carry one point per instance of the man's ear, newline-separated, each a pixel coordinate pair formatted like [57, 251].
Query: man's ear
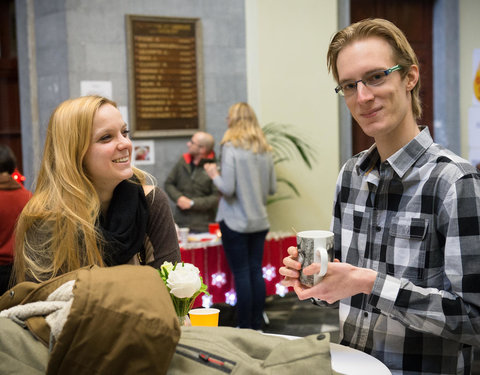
[412, 77]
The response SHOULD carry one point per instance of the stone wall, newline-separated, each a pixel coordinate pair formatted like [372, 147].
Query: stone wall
[65, 42]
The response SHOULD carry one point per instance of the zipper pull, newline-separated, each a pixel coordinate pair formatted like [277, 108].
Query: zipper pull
[207, 358]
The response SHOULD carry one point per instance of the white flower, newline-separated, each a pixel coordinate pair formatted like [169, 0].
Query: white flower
[168, 266]
[184, 281]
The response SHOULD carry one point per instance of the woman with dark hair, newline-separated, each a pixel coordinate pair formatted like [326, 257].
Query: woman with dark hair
[13, 197]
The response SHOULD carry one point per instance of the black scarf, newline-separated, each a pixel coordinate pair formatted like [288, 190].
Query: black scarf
[125, 224]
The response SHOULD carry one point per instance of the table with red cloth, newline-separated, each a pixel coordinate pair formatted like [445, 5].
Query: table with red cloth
[212, 263]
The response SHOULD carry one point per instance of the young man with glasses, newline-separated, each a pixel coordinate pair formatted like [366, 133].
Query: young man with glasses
[406, 219]
[188, 185]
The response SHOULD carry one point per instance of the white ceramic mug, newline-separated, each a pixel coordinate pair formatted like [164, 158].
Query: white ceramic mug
[314, 246]
[184, 235]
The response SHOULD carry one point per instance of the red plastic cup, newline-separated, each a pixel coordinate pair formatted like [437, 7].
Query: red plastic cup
[214, 228]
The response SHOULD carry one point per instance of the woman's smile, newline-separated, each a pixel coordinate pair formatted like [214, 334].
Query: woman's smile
[124, 159]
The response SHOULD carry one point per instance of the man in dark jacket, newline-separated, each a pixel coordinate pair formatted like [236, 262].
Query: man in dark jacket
[195, 196]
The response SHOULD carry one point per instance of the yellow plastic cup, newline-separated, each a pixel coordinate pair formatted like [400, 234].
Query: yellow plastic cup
[205, 317]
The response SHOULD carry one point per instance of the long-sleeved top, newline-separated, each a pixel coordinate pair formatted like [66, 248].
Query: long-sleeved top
[415, 219]
[160, 240]
[193, 182]
[246, 180]
[13, 197]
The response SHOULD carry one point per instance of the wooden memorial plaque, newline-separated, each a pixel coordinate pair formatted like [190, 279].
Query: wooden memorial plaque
[164, 65]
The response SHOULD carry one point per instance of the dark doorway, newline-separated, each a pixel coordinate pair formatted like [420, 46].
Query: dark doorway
[415, 19]
[10, 129]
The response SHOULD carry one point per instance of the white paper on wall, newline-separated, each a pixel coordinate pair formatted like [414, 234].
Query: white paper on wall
[102, 88]
[474, 127]
[124, 112]
[474, 156]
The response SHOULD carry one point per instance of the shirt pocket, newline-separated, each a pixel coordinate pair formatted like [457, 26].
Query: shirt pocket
[407, 247]
[355, 228]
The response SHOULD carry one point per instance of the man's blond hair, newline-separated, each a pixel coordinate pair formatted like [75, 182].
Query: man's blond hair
[403, 53]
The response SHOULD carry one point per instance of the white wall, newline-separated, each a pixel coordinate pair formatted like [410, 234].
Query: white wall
[288, 83]
[469, 40]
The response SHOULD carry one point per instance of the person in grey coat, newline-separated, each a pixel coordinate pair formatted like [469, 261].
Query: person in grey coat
[247, 178]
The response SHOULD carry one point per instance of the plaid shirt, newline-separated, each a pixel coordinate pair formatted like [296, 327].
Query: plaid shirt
[415, 219]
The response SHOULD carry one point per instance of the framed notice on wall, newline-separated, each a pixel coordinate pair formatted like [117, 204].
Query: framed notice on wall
[165, 80]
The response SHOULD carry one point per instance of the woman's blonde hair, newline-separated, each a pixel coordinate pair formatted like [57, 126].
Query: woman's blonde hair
[403, 53]
[243, 129]
[56, 232]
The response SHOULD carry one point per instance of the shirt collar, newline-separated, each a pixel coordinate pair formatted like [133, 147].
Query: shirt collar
[188, 157]
[402, 160]
[8, 183]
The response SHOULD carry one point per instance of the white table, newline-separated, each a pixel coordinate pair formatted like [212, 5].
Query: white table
[349, 361]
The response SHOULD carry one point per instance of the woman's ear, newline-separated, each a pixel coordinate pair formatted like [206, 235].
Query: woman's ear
[412, 77]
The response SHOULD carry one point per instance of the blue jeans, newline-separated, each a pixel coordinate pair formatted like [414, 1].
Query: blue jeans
[244, 252]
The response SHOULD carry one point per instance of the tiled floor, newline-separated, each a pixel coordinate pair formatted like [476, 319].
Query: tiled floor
[289, 316]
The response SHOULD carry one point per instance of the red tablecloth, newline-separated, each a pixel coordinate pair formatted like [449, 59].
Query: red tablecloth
[211, 262]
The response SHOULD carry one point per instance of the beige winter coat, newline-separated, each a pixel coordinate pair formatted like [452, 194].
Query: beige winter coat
[121, 321]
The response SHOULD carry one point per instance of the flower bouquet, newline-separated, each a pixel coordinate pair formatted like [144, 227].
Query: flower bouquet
[184, 283]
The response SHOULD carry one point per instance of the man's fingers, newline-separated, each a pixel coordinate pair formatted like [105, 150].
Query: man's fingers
[292, 251]
[288, 272]
[312, 269]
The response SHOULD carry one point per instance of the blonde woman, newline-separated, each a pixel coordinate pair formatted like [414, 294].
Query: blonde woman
[247, 178]
[90, 205]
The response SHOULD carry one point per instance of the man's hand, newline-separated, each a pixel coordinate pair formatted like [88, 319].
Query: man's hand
[292, 267]
[211, 169]
[184, 203]
[342, 280]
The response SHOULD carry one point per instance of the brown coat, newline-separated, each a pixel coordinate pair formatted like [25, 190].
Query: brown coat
[122, 321]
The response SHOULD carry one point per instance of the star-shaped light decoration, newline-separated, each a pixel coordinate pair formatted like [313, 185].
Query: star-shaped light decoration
[231, 297]
[207, 301]
[219, 279]
[17, 176]
[280, 289]
[269, 272]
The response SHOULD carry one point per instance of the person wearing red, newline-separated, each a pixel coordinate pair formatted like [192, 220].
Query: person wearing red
[13, 197]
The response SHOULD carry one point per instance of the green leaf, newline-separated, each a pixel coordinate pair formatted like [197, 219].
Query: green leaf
[275, 199]
[289, 184]
[287, 146]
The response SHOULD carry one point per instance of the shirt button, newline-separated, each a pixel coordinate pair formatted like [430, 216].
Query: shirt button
[365, 314]
[378, 228]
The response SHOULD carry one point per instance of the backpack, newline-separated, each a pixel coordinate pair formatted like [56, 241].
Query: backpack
[228, 350]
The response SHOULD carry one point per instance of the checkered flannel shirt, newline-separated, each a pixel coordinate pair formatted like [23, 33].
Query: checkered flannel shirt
[415, 219]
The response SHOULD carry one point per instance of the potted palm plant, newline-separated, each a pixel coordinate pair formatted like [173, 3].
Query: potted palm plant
[287, 145]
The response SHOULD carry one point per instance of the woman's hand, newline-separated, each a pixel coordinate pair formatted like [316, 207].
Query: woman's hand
[211, 169]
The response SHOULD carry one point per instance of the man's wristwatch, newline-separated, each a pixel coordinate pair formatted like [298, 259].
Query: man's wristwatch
[192, 202]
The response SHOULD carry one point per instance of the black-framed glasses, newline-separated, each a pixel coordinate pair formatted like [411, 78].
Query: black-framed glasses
[349, 88]
[195, 143]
